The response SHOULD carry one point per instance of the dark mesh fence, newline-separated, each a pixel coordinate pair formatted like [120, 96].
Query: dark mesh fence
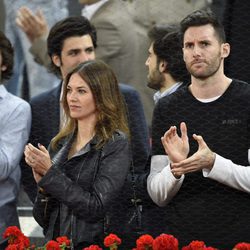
[204, 201]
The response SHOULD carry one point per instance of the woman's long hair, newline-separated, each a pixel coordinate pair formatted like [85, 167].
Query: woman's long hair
[111, 108]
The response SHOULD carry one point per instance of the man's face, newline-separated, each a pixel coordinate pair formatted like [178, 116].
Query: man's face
[155, 77]
[75, 50]
[202, 51]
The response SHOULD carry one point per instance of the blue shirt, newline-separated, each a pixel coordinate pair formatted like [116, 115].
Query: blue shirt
[158, 95]
[15, 122]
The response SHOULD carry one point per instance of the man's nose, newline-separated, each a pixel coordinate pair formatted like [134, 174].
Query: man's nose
[84, 57]
[196, 51]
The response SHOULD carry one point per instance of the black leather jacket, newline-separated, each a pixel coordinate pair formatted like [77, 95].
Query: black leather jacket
[80, 191]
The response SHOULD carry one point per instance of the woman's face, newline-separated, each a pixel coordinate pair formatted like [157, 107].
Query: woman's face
[80, 99]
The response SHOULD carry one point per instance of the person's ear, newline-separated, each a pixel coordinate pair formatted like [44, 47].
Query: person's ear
[3, 67]
[56, 60]
[225, 50]
[162, 66]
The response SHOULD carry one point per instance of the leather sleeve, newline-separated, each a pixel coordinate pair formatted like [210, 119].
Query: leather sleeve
[111, 175]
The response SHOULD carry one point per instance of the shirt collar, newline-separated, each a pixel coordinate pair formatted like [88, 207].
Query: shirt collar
[89, 10]
[158, 95]
[3, 91]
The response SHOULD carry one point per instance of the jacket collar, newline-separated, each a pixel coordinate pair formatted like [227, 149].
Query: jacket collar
[62, 154]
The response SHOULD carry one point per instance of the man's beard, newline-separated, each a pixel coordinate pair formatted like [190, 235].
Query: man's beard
[155, 80]
[211, 70]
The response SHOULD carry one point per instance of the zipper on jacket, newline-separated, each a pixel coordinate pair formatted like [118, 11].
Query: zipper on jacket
[45, 200]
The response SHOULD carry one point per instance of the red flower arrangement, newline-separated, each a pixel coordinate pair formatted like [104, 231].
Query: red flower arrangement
[63, 240]
[197, 245]
[242, 246]
[165, 242]
[144, 242]
[53, 245]
[112, 241]
[18, 241]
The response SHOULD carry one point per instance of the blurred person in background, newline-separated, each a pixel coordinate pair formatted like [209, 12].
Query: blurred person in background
[52, 11]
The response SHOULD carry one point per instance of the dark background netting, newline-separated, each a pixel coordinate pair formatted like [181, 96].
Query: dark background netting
[236, 18]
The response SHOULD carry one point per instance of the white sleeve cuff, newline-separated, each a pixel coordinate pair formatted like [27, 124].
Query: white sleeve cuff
[161, 183]
[219, 168]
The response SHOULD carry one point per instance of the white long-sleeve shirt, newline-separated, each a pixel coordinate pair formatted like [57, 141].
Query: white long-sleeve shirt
[163, 186]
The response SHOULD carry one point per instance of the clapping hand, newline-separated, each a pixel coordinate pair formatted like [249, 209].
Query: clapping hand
[38, 159]
[202, 158]
[177, 149]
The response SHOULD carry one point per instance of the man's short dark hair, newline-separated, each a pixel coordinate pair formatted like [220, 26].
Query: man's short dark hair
[7, 53]
[169, 49]
[68, 27]
[158, 31]
[203, 17]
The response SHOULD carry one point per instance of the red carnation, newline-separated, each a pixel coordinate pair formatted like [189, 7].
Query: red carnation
[12, 247]
[63, 240]
[144, 242]
[165, 242]
[52, 245]
[16, 237]
[112, 241]
[24, 241]
[197, 245]
[242, 246]
[12, 233]
[92, 247]
[12, 230]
